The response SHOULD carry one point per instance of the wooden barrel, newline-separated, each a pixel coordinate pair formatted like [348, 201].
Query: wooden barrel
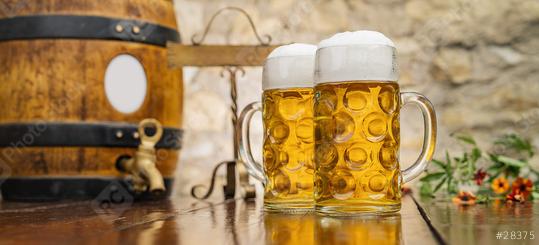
[60, 132]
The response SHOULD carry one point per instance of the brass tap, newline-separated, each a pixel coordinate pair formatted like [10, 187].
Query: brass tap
[142, 167]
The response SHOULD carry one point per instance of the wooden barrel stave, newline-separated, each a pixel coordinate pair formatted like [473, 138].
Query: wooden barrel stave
[72, 82]
[78, 161]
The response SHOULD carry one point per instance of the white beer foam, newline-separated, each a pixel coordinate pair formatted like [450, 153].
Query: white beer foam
[294, 49]
[356, 38]
[289, 66]
[353, 56]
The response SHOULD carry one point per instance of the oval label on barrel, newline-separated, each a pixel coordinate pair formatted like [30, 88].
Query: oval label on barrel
[125, 83]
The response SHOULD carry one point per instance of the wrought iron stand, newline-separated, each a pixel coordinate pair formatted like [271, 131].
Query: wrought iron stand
[232, 58]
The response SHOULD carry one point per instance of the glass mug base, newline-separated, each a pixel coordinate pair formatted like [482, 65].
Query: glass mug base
[356, 209]
[289, 207]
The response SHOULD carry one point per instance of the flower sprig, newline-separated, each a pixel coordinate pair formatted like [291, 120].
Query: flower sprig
[505, 172]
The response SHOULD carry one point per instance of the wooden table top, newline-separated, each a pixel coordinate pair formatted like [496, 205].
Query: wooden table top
[183, 220]
[480, 223]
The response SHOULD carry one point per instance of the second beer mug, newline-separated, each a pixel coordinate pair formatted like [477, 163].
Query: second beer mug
[356, 110]
[287, 112]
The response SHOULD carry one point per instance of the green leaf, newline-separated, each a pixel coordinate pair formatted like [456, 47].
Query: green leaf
[513, 171]
[493, 157]
[511, 161]
[449, 172]
[432, 176]
[465, 157]
[425, 189]
[439, 185]
[482, 198]
[440, 164]
[466, 139]
[494, 168]
[497, 164]
[451, 187]
[517, 143]
[476, 154]
[449, 169]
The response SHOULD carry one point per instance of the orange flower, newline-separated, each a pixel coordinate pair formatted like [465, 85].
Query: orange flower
[500, 185]
[515, 196]
[464, 198]
[524, 186]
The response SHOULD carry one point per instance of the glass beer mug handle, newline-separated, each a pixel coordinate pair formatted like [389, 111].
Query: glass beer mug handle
[255, 169]
[429, 138]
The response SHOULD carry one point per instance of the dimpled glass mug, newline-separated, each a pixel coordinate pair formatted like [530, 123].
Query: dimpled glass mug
[356, 115]
[288, 144]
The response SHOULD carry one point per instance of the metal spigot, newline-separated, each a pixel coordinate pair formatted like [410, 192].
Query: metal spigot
[142, 167]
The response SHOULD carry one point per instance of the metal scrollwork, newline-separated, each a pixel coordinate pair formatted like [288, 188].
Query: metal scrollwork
[232, 62]
[240, 10]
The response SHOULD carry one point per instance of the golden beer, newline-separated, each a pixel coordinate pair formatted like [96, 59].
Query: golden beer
[357, 145]
[356, 114]
[288, 143]
[288, 147]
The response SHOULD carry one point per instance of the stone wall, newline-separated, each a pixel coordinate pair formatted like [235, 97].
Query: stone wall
[477, 61]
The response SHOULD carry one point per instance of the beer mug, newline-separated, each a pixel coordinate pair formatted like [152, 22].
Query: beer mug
[356, 116]
[288, 143]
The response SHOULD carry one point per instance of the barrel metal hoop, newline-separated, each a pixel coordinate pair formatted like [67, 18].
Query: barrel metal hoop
[57, 134]
[54, 188]
[85, 27]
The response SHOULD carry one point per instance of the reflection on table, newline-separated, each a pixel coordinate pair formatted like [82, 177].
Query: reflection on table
[314, 229]
[188, 221]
